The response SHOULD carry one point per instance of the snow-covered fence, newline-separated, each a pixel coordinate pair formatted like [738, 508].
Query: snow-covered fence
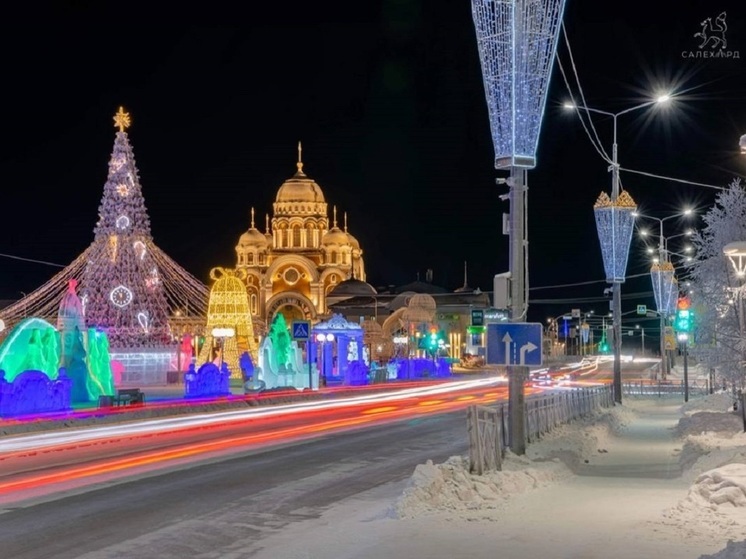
[487, 434]
[489, 427]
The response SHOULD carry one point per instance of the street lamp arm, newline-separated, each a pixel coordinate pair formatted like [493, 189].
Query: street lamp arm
[640, 106]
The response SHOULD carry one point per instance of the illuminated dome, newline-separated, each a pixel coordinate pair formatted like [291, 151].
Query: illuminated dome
[335, 236]
[299, 188]
[253, 238]
[353, 242]
[299, 195]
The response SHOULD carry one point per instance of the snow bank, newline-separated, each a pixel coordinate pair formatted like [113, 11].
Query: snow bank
[734, 550]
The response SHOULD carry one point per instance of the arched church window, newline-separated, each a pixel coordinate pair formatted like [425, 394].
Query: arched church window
[252, 302]
[296, 236]
[250, 261]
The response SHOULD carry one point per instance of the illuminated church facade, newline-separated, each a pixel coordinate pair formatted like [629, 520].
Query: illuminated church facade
[299, 259]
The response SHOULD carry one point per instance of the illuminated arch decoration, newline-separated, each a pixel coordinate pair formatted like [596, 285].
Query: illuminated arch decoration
[300, 262]
[291, 299]
[228, 308]
[29, 346]
[517, 41]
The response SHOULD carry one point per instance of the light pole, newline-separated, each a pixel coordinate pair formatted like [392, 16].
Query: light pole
[665, 285]
[684, 340]
[736, 253]
[642, 331]
[615, 224]
[221, 334]
[322, 338]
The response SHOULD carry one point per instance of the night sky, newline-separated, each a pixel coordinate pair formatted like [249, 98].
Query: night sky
[389, 104]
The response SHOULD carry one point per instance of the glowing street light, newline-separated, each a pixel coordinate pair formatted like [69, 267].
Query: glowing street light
[615, 223]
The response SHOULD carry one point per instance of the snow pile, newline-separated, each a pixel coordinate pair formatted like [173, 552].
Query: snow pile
[451, 487]
[734, 550]
[711, 439]
[721, 487]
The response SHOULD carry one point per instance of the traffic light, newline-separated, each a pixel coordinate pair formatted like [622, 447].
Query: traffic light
[683, 321]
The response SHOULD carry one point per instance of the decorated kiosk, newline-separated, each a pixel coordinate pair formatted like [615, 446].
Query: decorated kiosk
[338, 351]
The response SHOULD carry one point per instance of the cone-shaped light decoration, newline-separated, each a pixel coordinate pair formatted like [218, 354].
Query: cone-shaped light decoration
[674, 300]
[615, 222]
[517, 41]
[665, 287]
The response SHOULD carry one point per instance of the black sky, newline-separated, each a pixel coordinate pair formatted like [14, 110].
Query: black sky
[389, 104]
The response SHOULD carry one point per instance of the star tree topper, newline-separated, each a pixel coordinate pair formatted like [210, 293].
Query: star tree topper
[122, 119]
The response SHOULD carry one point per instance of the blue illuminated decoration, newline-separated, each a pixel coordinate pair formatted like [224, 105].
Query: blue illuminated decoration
[665, 288]
[615, 223]
[517, 41]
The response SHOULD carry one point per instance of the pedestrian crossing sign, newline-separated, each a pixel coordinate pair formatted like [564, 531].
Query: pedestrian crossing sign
[301, 329]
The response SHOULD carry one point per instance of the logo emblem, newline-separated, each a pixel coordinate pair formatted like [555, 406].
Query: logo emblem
[713, 34]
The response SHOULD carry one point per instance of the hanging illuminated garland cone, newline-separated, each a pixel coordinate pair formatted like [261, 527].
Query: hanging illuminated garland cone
[517, 42]
[665, 287]
[615, 223]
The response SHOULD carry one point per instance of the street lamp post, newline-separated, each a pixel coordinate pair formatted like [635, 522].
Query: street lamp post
[642, 331]
[684, 340]
[665, 285]
[736, 253]
[615, 223]
[322, 339]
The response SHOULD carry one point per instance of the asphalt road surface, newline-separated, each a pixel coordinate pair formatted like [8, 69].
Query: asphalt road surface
[224, 508]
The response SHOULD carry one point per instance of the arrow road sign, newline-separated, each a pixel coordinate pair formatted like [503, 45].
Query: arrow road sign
[514, 343]
[301, 329]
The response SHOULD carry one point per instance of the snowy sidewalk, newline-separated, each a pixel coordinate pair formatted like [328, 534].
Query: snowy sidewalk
[622, 503]
[647, 448]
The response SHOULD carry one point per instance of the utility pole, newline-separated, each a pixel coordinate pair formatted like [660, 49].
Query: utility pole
[517, 374]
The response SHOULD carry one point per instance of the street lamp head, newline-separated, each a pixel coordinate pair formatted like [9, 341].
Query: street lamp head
[688, 211]
[664, 98]
[569, 105]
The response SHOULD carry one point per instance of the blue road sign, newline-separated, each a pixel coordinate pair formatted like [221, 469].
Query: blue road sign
[514, 343]
[301, 329]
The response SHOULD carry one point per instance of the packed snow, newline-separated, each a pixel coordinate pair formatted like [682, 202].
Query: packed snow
[649, 478]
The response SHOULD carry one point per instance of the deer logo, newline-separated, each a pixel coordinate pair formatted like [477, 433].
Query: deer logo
[713, 34]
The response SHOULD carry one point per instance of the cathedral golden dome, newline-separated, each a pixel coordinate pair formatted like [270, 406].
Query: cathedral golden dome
[335, 236]
[299, 188]
[299, 195]
[352, 241]
[253, 237]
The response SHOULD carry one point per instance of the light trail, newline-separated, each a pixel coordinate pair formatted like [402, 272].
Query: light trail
[144, 427]
[41, 478]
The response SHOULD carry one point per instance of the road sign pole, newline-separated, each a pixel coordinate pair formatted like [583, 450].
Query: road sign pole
[308, 356]
[517, 374]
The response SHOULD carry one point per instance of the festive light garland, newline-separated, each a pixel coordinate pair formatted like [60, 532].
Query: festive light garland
[615, 223]
[517, 41]
[665, 287]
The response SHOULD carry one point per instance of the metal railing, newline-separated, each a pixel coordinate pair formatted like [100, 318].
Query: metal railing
[489, 427]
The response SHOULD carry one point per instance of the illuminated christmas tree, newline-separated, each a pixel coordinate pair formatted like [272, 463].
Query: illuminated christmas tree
[122, 291]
